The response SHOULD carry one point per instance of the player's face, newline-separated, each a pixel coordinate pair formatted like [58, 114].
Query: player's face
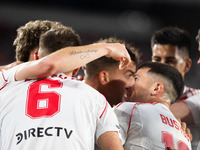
[120, 84]
[169, 54]
[142, 85]
[198, 62]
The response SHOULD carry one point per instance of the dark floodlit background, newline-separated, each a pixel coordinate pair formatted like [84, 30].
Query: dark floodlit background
[131, 20]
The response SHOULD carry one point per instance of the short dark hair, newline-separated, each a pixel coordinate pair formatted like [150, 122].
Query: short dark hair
[105, 63]
[169, 74]
[173, 36]
[59, 38]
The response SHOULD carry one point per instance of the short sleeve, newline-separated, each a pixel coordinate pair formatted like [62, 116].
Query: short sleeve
[7, 76]
[193, 103]
[123, 112]
[107, 120]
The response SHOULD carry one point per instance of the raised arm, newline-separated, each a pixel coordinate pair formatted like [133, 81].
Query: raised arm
[70, 58]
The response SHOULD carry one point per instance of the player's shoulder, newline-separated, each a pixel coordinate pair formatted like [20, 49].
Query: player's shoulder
[190, 93]
[191, 90]
[134, 104]
[86, 87]
[77, 85]
[125, 107]
[140, 106]
[151, 106]
[8, 76]
[68, 81]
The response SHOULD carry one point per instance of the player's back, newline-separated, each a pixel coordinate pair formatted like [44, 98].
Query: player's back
[53, 113]
[150, 126]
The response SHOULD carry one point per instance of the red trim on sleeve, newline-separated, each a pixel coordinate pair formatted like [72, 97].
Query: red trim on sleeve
[119, 104]
[3, 86]
[131, 118]
[183, 98]
[104, 110]
[3, 76]
[190, 92]
[4, 80]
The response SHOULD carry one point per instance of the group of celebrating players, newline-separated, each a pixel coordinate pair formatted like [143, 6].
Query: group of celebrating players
[120, 104]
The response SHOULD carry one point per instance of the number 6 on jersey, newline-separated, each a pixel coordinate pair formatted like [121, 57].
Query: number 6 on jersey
[43, 103]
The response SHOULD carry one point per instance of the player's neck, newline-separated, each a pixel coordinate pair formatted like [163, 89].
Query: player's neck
[92, 83]
[165, 102]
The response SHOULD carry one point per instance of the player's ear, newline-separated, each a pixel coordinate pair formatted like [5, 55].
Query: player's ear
[103, 77]
[157, 88]
[188, 63]
[75, 71]
[36, 55]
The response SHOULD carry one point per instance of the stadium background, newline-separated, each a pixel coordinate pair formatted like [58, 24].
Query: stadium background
[131, 20]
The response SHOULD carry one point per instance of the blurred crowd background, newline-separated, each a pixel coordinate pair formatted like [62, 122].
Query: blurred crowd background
[132, 20]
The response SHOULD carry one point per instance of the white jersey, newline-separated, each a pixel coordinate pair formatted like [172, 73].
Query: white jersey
[51, 114]
[150, 126]
[192, 98]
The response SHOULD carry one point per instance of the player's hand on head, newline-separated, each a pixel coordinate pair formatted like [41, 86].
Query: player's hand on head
[123, 63]
[119, 52]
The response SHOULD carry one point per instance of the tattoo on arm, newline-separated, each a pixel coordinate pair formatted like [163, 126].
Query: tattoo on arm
[83, 55]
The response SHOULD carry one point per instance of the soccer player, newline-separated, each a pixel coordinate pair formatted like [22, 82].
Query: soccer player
[171, 45]
[104, 75]
[57, 112]
[149, 123]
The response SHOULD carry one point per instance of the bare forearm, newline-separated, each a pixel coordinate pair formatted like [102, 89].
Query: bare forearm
[74, 57]
[64, 60]
[110, 141]
[182, 111]
[70, 58]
